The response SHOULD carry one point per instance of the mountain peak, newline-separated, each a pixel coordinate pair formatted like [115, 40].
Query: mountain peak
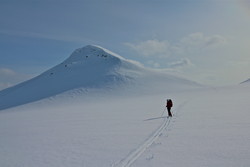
[91, 51]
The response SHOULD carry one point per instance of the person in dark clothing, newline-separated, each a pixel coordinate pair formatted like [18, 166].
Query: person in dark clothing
[169, 105]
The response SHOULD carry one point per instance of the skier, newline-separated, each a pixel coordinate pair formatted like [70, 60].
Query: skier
[169, 105]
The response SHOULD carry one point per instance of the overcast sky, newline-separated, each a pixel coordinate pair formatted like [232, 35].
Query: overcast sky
[205, 40]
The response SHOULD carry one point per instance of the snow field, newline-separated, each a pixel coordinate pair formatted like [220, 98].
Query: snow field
[97, 133]
[209, 128]
[212, 129]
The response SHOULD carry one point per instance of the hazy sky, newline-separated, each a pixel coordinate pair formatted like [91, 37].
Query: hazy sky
[205, 40]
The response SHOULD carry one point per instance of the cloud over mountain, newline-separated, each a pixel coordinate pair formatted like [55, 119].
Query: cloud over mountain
[188, 44]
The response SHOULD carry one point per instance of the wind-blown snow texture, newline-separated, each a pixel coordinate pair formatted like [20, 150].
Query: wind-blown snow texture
[89, 68]
[120, 128]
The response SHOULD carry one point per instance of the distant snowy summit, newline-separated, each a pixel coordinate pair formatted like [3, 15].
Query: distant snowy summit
[91, 68]
[92, 51]
[246, 81]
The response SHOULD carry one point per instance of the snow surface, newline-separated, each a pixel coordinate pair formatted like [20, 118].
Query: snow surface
[209, 128]
[93, 127]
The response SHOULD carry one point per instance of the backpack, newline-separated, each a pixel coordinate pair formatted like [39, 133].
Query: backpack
[169, 103]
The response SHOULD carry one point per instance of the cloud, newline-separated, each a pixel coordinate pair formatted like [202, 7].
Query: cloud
[6, 72]
[151, 48]
[200, 41]
[191, 43]
[153, 64]
[9, 78]
[184, 62]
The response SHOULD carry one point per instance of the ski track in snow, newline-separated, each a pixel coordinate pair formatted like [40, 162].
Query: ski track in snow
[132, 156]
[136, 153]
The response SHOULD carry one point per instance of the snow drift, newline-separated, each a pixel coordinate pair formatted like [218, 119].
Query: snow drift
[90, 68]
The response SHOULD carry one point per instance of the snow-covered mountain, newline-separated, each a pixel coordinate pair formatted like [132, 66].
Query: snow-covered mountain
[90, 68]
[246, 81]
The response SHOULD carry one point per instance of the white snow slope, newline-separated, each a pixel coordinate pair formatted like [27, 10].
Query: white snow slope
[90, 68]
[210, 127]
